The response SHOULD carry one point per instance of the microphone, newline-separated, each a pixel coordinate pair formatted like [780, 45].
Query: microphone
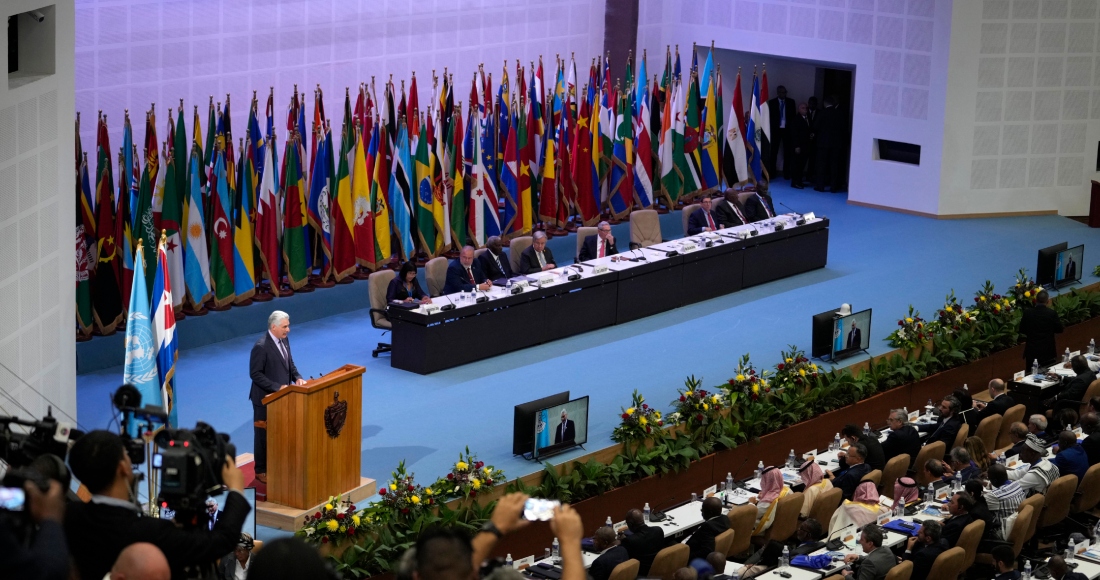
[578, 265]
[790, 208]
[800, 220]
[449, 306]
[640, 256]
[483, 298]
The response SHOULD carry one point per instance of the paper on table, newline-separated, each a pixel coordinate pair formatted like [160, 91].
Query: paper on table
[523, 562]
[809, 454]
[710, 491]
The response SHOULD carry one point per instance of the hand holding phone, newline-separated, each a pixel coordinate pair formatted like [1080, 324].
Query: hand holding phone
[540, 510]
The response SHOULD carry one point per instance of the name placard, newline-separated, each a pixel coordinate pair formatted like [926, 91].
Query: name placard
[689, 247]
[809, 216]
[600, 269]
[523, 563]
[1074, 353]
[520, 283]
[809, 455]
[544, 279]
[710, 491]
[1019, 375]
[430, 308]
[883, 518]
[913, 416]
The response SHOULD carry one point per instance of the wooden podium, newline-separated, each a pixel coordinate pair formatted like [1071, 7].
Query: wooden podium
[313, 438]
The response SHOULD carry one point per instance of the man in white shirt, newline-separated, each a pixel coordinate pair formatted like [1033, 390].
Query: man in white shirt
[1041, 473]
[236, 568]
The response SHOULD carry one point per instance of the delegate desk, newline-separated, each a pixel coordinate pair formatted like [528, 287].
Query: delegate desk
[1032, 390]
[634, 285]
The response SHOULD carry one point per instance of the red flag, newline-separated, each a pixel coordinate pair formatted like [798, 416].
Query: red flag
[583, 179]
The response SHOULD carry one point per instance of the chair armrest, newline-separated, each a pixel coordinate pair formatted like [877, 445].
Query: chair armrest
[380, 311]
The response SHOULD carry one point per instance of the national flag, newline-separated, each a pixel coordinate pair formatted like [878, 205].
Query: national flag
[126, 201]
[196, 263]
[672, 178]
[756, 134]
[85, 241]
[567, 192]
[484, 218]
[221, 233]
[244, 260]
[140, 368]
[343, 208]
[171, 217]
[457, 171]
[705, 88]
[503, 119]
[146, 227]
[318, 207]
[689, 163]
[709, 146]
[106, 295]
[643, 142]
[585, 165]
[414, 112]
[267, 218]
[379, 196]
[734, 162]
[621, 182]
[294, 216]
[164, 333]
[422, 182]
[400, 185]
[528, 171]
[548, 189]
[360, 192]
[438, 161]
[509, 186]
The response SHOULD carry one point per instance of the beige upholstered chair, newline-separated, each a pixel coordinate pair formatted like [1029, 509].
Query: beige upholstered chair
[1092, 391]
[742, 519]
[582, 233]
[825, 504]
[902, 571]
[895, 468]
[626, 571]
[874, 477]
[645, 227]
[685, 215]
[988, 430]
[377, 283]
[968, 541]
[1089, 489]
[1036, 502]
[948, 565]
[1012, 415]
[933, 450]
[1016, 536]
[964, 432]
[785, 523]
[435, 271]
[516, 248]
[1057, 500]
[668, 561]
[478, 252]
[723, 541]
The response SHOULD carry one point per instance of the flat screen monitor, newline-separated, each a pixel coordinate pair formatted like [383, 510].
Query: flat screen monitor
[1048, 261]
[1067, 266]
[851, 333]
[249, 526]
[561, 426]
[523, 424]
[821, 342]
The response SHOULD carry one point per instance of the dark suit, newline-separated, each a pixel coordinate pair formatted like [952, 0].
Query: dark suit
[1091, 445]
[702, 541]
[211, 521]
[876, 457]
[567, 432]
[1075, 389]
[589, 250]
[643, 546]
[905, 440]
[1070, 272]
[1040, 324]
[228, 566]
[529, 262]
[759, 207]
[603, 565]
[97, 534]
[270, 371]
[855, 338]
[875, 565]
[780, 136]
[492, 269]
[728, 216]
[799, 133]
[953, 527]
[397, 291]
[698, 220]
[998, 406]
[458, 280]
[942, 431]
[922, 557]
[849, 480]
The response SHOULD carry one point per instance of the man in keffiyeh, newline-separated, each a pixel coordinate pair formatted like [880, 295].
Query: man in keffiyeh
[815, 484]
[771, 489]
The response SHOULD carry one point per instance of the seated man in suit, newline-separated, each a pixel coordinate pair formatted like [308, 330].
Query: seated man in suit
[493, 261]
[948, 425]
[729, 212]
[702, 219]
[875, 457]
[536, 258]
[566, 430]
[849, 480]
[903, 437]
[1037, 426]
[760, 206]
[1073, 394]
[959, 507]
[809, 536]
[1090, 427]
[1060, 571]
[715, 522]
[959, 461]
[923, 549]
[1071, 457]
[611, 554]
[878, 560]
[600, 245]
[464, 274]
[643, 542]
[1004, 563]
[999, 403]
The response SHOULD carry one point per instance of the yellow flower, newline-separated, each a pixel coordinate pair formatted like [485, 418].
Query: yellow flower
[714, 399]
[996, 308]
[756, 388]
[642, 421]
[802, 372]
[657, 414]
[909, 320]
[393, 487]
[476, 483]
[630, 411]
[790, 360]
[328, 506]
[705, 407]
[487, 469]
[461, 465]
[356, 520]
[415, 499]
[332, 525]
[949, 309]
[740, 377]
[428, 491]
[688, 394]
[343, 529]
[981, 298]
[1027, 294]
[813, 366]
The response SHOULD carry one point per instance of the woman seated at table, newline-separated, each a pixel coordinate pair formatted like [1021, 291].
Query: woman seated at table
[978, 453]
[771, 489]
[906, 491]
[815, 484]
[859, 511]
[405, 287]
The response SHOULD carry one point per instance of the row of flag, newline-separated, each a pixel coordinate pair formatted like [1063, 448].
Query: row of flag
[407, 180]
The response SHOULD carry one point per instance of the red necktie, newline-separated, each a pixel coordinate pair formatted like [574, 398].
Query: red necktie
[471, 274]
[710, 221]
[600, 242]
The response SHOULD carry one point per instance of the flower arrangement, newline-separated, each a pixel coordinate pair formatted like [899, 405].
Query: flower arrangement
[747, 381]
[638, 421]
[336, 520]
[991, 305]
[403, 495]
[953, 317]
[467, 478]
[696, 407]
[912, 331]
[796, 370]
[1025, 290]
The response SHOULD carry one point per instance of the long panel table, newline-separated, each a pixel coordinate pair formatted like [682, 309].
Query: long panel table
[626, 287]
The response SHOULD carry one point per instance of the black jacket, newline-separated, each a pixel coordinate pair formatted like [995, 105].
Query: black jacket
[922, 557]
[643, 546]
[1091, 445]
[589, 248]
[790, 111]
[905, 440]
[570, 431]
[458, 281]
[702, 541]
[529, 262]
[876, 457]
[1040, 324]
[397, 291]
[945, 431]
[97, 534]
[953, 527]
[727, 216]
[800, 130]
[603, 565]
[268, 369]
[998, 406]
[755, 207]
[490, 268]
[1076, 387]
[849, 480]
[698, 220]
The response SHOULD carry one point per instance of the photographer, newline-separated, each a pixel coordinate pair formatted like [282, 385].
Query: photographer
[99, 530]
[45, 558]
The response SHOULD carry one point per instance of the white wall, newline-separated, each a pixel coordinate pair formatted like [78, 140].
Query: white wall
[1020, 134]
[898, 48]
[131, 53]
[37, 270]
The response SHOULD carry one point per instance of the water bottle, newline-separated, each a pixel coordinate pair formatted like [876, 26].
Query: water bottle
[1035, 367]
[729, 482]
[1070, 552]
[866, 428]
[791, 460]
[958, 481]
[836, 442]
[759, 470]
[928, 408]
[966, 388]
[1065, 356]
[1003, 460]
[930, 495]
[1092, 346]
[786, 559]
[736, 574]
[1096, 531]
[1027, 570]
[609, 523]
[645, 513]
[508, 561]
[555, 550]
[899, 510]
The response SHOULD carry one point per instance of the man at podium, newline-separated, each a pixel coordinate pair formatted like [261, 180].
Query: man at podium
[271, 367]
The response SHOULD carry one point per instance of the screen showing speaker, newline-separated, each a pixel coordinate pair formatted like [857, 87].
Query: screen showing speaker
[852, 333]
[1067, 266]
[562, 425]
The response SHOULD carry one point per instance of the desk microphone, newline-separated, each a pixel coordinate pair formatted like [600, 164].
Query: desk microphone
[832, 541]
[483, 298]
[449, 306]
[790, 208]
[640, 256]
[579, 265]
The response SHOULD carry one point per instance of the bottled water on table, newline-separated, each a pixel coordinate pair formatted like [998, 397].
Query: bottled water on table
[1065, 356]
[930, 495]
[1070, 552]
[958, 481]
[729, 481]
[1027, 570]
[1092, 346]
[609, 523]
[645, 512]
[866, 428]
[786, 559]
[1035, 367]
[791, 459]
[836, 442]
[508, 563]
[555, 550]
[759, 470]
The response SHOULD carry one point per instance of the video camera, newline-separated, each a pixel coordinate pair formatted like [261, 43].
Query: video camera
[45, 436]
[190, 463]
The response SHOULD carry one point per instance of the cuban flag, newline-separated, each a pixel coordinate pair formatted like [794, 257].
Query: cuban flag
[140, 369]
[164, 334]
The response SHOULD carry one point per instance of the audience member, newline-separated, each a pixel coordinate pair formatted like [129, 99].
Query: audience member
[906, 491]
[235, 566]
[1041, 472]
[799, 133]
[1004, 562]
[600, 245]
[1073, 394]
[877, 561]
[729, 211]
[1090, 428]
[808, 535]
[903, 437]
[1037, 426]
[760, 205]
[1017, 435]
[685, 573]
[494, 262]
[702, 219]
[99, 530]
[978, 453]
[966, 402]
[293, 559]
[464, 274]
[39, 557]
[980, 510]
[859, 511]
[611, 553]
[813, 484]
[1003, 499]
[875, 457]
[537, 257]
[999, 402]
[643, 542]
[1060, 571]
[850, 479]
[1062, 419]
[959, 463]
[141, 561]
[923, 549]
[715, 522]
[717, 561]
[948, 425]
[405, 287]
[771, 489]
[1039, 325]
[935, 468]
[959, 507]
[1071, 457]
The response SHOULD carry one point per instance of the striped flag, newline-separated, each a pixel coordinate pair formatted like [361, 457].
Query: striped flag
[196, 259]
[164, 333]
[400, 184]
[643, 142]
[734, 162]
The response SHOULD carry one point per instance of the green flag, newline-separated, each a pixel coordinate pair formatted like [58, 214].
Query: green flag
[425, 223]
[146, 227]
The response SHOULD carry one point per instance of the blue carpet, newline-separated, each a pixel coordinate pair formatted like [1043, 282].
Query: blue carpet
[877, 259]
